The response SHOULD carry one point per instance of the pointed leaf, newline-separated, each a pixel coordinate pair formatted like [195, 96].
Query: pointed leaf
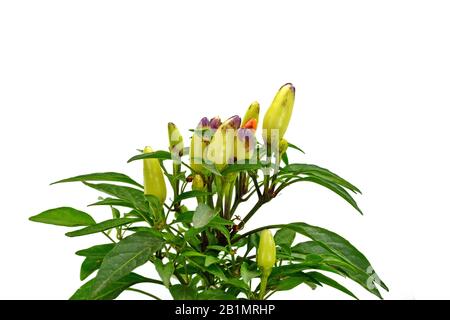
[131, 195]
[295, 147]
[303, 168]
[181, 292]
[102, 226]
[102, 176]
[238, 167]
[127, 255]
[89, 266]
[330, 282]
[162, 155]
[164, 271]
[64, 216]
[284, 237]
[191, 194]
[112, 202]
[335, 188]
[98, 251]
[343, 249]
[112, 291]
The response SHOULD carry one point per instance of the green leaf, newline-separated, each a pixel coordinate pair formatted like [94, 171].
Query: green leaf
[94, 258]
[112, 291]
[191, 194]
[162, 155]
[292, 146]
[247, 274]
[334, 243]
[89, 266]
[285, 158]
[209, 260]
[311, 169]
[338, 266]
[238, 167]
[211, 168]
[202, 215]
[284, 237]
[164, 271]
[218, 248]
[219, 221]
[98, 251]
[336, 189]
[102, 226]
[102, 176]
[133, 196]
[253, 241]
[127, 255]
[112, 202]
[64, 216]
[215, 295]
[181, 292]
[237, 283]
[290, 282]
[330, 282]
[151, 231]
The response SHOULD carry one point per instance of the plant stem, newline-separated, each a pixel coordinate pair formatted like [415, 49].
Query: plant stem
[255, 182]
[263, 285]
[107, 235]
[252, 212]
[210, 199]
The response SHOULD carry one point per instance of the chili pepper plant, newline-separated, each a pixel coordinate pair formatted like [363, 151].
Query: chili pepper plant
[186, 220]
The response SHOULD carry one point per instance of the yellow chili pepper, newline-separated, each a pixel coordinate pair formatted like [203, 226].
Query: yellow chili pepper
[198, 146]
[221, 149]
[154, 183]
[266, 255]
[277, 117]
[176, 144]
[265, 258]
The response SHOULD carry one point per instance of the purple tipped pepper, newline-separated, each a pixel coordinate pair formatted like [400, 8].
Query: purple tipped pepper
[221, 149]
[198, 146]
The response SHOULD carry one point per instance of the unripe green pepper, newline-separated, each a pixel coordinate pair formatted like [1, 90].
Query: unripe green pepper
[197, 183]
[277, 117]
[176, 147]
[154, 183]
[252, 113]
[266, 257]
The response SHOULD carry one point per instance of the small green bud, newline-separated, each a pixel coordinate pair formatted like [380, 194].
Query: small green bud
[197, 183]
[282, 148]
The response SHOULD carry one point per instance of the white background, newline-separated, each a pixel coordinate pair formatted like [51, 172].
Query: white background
[85, 83]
